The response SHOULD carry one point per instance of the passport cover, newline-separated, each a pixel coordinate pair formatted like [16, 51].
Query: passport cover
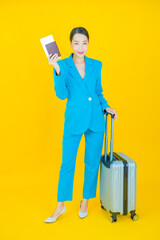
[52, 48]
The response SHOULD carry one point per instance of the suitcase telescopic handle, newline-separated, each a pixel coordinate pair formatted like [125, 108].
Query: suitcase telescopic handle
[106, 137]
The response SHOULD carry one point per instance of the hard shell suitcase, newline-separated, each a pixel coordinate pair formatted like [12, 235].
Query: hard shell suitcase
[117, 180]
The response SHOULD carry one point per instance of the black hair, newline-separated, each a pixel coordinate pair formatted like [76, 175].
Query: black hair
[78, 30]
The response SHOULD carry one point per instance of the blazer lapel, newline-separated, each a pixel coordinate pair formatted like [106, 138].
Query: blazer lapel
[75, 73]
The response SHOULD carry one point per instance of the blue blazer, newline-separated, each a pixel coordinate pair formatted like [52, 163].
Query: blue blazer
[85, 102]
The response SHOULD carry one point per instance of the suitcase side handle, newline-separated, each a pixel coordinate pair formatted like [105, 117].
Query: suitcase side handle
[106, 137]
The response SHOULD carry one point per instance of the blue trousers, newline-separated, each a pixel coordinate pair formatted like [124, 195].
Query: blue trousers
[93, 151]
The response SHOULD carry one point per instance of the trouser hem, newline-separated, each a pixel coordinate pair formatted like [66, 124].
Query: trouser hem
[64, 200]
[89, 197]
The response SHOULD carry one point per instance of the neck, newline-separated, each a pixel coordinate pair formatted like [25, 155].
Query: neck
[77, 59]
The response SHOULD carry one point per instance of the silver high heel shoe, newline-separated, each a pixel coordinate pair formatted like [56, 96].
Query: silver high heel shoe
[83, 214]
[53, 219]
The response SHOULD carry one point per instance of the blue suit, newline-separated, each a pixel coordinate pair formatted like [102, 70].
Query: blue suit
[85, 102]
[84, 114]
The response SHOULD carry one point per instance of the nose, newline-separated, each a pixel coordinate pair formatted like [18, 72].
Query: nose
[80, 48]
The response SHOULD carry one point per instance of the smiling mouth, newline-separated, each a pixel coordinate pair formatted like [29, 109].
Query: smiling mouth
[80, 52]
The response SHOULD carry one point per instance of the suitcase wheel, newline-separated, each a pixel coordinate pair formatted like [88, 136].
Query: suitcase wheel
[135, 217]
[113, 219]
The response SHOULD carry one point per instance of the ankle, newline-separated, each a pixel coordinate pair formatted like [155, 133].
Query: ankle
[60, 204]
[84, 203]
[85, 200]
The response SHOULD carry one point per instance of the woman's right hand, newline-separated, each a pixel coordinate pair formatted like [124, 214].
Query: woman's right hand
[52, 60]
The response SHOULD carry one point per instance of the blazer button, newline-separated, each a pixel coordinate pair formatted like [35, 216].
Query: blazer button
[89, 98]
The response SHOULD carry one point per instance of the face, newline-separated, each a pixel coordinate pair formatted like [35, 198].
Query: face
[79, 44]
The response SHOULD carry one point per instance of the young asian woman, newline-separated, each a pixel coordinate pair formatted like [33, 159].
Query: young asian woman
[78, 79]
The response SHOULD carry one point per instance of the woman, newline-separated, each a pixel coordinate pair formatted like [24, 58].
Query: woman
[78, 78]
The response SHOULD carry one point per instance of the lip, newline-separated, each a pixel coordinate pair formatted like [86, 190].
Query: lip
[80, 52]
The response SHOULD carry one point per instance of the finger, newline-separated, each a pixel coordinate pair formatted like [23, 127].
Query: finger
[52, 55]
[56, 55]
[53, 58]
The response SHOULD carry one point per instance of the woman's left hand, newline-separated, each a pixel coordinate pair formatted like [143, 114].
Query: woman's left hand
[112, 111]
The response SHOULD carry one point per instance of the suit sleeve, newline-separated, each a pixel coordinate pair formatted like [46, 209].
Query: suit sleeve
[60, 86]
[99, 90]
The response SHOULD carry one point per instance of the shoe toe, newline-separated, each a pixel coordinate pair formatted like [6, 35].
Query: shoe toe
[83, 214]
[50, 219]
[53, 219]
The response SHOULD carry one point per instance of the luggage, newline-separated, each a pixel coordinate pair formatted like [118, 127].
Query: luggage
[117, 181]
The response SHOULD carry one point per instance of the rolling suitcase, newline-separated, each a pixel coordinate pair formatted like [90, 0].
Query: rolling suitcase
[117, 180]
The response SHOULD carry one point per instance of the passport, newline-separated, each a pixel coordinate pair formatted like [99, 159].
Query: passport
[50, 46]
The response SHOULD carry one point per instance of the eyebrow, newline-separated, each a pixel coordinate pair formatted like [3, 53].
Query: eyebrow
[83, 41]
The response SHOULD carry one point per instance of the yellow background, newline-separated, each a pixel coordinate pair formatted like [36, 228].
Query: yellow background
[125, 36]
